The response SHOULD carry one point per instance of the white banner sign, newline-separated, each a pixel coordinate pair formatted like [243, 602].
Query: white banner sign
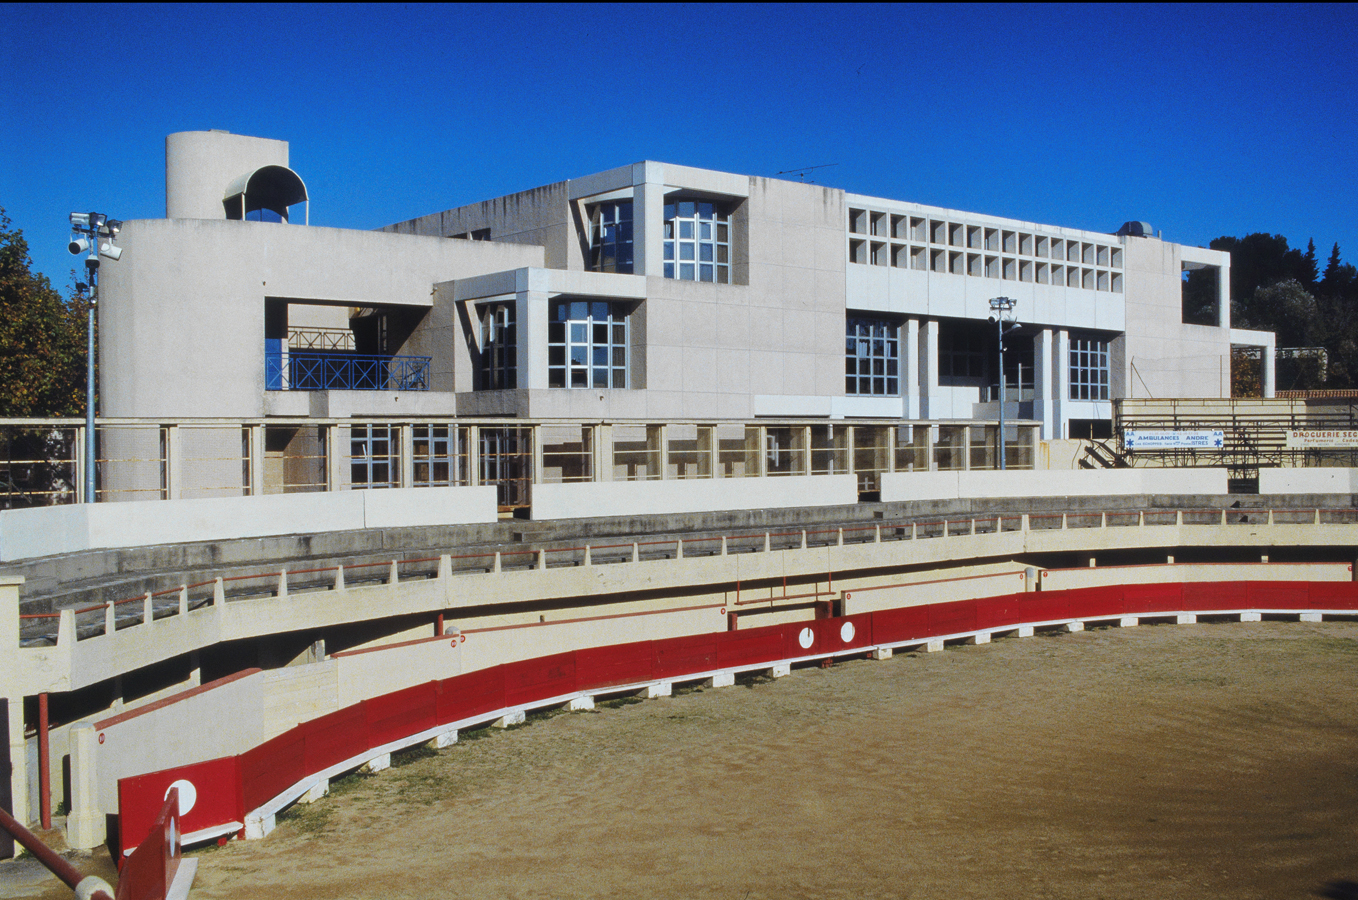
[1305, 440]
[1174, 440]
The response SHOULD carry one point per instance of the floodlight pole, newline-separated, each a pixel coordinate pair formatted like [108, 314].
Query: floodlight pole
[1000, 306]
[92, 267]
[92, 228]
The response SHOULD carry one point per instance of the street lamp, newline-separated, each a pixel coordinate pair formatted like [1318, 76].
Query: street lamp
[1000, 306]
[92, 233]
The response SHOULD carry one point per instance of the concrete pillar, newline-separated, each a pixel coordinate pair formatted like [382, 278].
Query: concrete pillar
[1061, 393]
[407, 458]
[256, 450]
[721, 679]
[531, 312]
[881, 653]
[659, 689]
[1044, 383]
[336, 457]
[516, 717]
[316, 791]
[910, 369]
[648, 222]
[583, 702]
[85, 823]
[928, 372]
[174, 458]
[1268, 353]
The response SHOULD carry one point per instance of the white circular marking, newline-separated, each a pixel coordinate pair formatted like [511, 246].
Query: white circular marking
[846, 632]
[188, 794]
[806, 638]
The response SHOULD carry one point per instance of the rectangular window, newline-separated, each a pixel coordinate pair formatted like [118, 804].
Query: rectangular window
[499, 351]
[374, 456]
[610, 237]
[587, 344]
[872, 357]
[1088, 369]
[432, 462]
[697, 241]
[964, 350]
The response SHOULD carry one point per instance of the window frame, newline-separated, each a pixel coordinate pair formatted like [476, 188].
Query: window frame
[872, 357]
[1090, 368]
[588, 344]
[611, 246]
[497, 366]
[697, 237]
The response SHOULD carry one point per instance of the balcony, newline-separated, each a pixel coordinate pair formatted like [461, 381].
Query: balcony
[310, 371]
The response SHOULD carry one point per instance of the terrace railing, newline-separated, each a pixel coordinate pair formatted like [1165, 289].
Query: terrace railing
[301, 371]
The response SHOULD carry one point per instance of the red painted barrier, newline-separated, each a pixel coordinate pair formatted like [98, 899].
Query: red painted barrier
[749, 646]
[209, 797]
[1278, 594]
[393, 716]
[334, 737]
[1140, 599]
[273, 767]
[537, 679]
[470, 695]
[601, 667]
[679, 656]
[911, 623]
[228, 788]
[148, 873]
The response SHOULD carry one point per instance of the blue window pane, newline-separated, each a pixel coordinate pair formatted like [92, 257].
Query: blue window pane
[579, 310]
[686, 271]
[705, 231]
[669, 210]
[598, 310]
[705, 251]
[705, 210]
[704, 273]
[669, 270]
[601, 356]
[579, 333]
[686, 209]
[578, 356]
[686, 230]
[669, 250]
[685, 251]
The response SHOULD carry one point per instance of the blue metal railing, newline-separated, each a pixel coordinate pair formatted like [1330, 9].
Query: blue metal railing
[344, 372]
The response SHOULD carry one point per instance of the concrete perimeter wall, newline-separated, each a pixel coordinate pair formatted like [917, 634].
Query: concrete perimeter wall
[588, 499]
[1308, 481]
[47, 531]
[902, 486]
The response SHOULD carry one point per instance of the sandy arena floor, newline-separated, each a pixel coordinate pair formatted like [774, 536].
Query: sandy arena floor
[1208, 761]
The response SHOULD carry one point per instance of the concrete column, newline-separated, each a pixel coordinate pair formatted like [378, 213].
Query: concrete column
[648, 221]
[1061, 394]
[928, 371]
[407, 455]
[256, 447]
[85, 824]
[910, 369]
[174, 459]
[603, 452]
[336, 457]
[1043, 383]
[531, 311]
[1268, 371]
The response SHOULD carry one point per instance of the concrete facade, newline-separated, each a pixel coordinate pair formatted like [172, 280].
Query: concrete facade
[752, 317]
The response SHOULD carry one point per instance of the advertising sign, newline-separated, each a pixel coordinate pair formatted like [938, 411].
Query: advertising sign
[1321, 440]
[1175, 440]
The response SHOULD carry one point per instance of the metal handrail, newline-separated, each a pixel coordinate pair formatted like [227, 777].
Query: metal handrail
[94, 887]
[302, 371]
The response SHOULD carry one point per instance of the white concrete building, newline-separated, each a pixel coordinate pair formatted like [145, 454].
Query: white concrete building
[651, 292]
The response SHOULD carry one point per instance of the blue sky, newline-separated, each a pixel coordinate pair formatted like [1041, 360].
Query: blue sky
[1202, 120]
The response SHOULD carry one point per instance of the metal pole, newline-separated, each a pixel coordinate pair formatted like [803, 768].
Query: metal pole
[999, 325]
[89, 381]
[44, 765]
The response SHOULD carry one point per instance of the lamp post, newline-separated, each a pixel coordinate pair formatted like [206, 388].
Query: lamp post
[92, 233]
[999, 306]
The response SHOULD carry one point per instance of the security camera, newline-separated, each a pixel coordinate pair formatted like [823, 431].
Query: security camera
[78, 245]
[112, 252]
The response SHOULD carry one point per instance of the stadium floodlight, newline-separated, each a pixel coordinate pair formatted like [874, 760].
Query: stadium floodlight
[92, 230]
[1001, 306]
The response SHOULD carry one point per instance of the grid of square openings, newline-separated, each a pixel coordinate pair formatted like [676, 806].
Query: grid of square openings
[924, 243]
[871, 357]
[587, 344]
[697, 241]
[1088, 369]
[610, 237]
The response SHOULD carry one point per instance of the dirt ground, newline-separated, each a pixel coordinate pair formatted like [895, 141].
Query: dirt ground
[1207, 761]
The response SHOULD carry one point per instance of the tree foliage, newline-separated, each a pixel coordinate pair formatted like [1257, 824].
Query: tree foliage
[42, 337]
[1277, 288]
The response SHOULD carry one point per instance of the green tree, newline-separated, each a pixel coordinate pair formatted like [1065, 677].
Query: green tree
[42, 337]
